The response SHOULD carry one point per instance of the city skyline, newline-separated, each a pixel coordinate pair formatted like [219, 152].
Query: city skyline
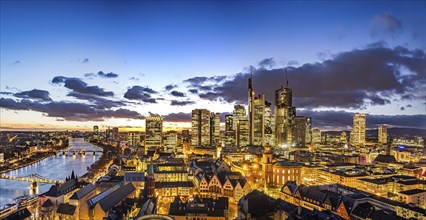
[125, 61]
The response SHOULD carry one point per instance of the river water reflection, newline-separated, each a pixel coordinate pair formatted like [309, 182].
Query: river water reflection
[56, 167]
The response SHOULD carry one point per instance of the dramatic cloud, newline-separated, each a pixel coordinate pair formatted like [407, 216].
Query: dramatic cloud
[267, 63]
[181, 103]
[98, 101]
[193, 91]
[170, 87]
[344, 120]
[199, 80]
[177, 94]
[77, 85]
[385, 24]
[86, 60]
[140, 93]
[354, 79]
[178, 117]
[34, 94]
[69, 111]
[102, 75]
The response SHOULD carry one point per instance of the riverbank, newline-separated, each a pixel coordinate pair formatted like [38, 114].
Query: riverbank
[30, 162]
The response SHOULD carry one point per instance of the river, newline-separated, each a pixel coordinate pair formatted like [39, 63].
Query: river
[55, 167]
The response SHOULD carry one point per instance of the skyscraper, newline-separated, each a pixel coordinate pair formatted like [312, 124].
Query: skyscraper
[284, 116]
[299, 131]
[239, 113]
[170, 141]
[243, 133]
[316, 136]
[95, 132]
[383, 134]
[153, 132]
[358, 130]
[308, 139]
[200, 132]
[251, 109]
[258, 122]
[133, 138]
[214, 129]
[230, 139]
[269, 125]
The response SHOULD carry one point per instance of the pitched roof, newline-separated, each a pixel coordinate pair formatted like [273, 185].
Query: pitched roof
[47, 203]
[95, 199]
[20, 214]
[66, 209]
[83, 191]
[385, 158]
[115, 197]
[58, 190]
[173, 184]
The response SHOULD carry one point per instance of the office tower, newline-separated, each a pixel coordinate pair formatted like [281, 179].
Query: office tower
[200, 132]
[299, 131]
[316, 136]
[258, 128]
[170, 141]
[243, 133]
[214, 129]
[153, 132]
[308, 139]
[229, 139]
[269, 125]
[284, 116]
[239, 113]
[251, 109]
[108, 134]
[133, 138]
[358, 130]
[383, 134]
[114, 134]
[95, 132]
[343, 138]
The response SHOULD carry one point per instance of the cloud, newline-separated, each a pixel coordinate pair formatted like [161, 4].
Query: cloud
[140, 93]
[344, 120]
[134, 79]
[199, 80]
[98, 101]
[292, 63]
[178, 117]
[86, 60]
[267, 63]
[69, 111]
[353, 79]
[193, 91]
[181, 103]
[16, 62]
[385, 24]
[34, 94]
[78, 85]
[177, 93]
[170, 87]
[102, 75]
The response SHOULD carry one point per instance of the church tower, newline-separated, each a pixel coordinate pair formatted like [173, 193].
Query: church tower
[267, 166]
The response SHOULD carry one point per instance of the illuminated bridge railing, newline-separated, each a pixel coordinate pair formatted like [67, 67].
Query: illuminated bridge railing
[34, 178]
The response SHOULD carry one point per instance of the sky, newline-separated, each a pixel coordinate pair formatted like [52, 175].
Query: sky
[75, 64]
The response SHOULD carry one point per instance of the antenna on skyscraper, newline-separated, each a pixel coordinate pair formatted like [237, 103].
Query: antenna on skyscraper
[286, 77]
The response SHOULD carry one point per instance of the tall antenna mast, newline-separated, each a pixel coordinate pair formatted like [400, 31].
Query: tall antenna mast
[286, 77]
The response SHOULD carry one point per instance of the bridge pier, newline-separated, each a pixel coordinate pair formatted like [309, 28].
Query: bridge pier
[34, 185]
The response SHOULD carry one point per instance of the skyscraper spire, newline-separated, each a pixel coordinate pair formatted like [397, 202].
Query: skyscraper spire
[286, 77]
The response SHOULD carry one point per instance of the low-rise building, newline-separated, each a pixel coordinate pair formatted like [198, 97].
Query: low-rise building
[199, 208]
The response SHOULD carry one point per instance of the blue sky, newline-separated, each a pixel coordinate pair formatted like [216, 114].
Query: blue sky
[154, 44]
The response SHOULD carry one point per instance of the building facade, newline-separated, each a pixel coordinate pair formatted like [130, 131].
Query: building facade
[200, 133]
[153, 132]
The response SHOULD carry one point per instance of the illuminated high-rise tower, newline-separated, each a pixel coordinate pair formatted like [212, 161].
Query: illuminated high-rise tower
[251, 109]
[214, 129]
[284, 116]
[383, 134]
[358, 130]
[153, 132]
[230, 136]
[200, 132]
